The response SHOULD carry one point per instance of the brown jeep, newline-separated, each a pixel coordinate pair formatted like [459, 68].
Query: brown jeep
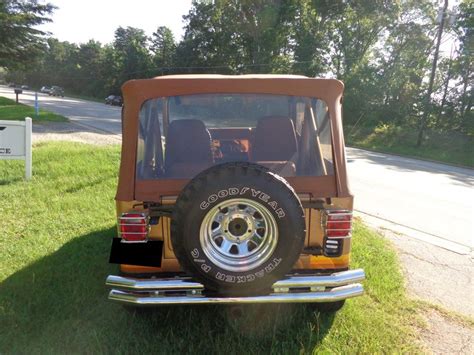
[233, 189]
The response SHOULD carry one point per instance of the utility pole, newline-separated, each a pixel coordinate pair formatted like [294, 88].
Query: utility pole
[427, 107]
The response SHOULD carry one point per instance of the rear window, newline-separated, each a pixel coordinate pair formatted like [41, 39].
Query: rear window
[181, 136]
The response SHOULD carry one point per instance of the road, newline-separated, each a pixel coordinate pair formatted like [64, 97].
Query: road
[424, 200]
[92, 114]
[429, 201]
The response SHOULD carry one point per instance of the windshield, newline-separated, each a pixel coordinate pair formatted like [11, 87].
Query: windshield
[181, 136]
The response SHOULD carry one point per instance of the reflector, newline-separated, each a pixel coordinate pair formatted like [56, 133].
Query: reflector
[133, 227]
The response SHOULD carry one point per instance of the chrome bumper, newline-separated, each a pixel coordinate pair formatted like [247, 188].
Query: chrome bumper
[294, 289]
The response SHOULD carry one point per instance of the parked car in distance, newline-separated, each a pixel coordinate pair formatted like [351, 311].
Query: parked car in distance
[45, 89]
[56, 91]
[25, 87]
[11, 85]
[114, 100]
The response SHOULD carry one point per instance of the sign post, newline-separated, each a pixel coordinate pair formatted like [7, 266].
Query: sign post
[36, 105]
[17, 92]
[15, 142]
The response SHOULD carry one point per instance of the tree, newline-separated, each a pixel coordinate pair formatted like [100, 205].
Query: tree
[464, 72]
[309, 38]
[132, 54]
[402, 63]
[89, 62]
[163, 46]
[230, 36]
[427, 106]
[20, 42]
[210, 43]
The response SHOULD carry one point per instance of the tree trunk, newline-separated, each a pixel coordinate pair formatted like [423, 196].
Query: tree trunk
[427, 107]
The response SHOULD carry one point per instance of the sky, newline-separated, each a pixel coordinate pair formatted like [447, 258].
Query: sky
[79, 21]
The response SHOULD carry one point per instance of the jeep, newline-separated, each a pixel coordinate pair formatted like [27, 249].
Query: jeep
[233, 189]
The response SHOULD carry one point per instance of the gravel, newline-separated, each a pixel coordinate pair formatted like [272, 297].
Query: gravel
[69, 131]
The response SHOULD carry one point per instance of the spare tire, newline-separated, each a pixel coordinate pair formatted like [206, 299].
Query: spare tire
[238, 228]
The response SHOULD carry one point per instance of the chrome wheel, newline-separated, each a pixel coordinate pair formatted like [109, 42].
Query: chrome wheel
[238, 234]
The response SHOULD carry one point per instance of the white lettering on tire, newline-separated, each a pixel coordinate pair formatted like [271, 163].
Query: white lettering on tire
[232, 191]
[249, 277]
[205, 268]
[223, 193]
[255, 192]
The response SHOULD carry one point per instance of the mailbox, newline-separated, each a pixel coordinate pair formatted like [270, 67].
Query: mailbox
[15, 142]
[18, 91]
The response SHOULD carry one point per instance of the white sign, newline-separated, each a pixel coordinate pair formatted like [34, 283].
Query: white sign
[15, 142]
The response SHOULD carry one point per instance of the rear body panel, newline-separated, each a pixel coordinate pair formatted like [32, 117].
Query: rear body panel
[314, 238]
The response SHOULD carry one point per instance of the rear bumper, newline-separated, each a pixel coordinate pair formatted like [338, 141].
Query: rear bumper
[294, 289]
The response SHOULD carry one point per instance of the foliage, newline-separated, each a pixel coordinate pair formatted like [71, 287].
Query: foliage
[19, 40]
[54, 262]
[163, 46]
[381, 49]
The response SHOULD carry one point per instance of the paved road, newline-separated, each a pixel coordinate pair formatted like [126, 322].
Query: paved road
[428, 201]
[424, 200]
[89, 113]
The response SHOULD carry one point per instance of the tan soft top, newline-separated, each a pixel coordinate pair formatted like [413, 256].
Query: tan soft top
[221, 76]
[135, 92]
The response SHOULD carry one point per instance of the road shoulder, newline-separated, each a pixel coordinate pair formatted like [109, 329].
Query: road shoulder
[72, 131]
[443, 282]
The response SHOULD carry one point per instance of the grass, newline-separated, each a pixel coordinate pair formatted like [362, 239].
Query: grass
[447, 147]
[55, 236]
[11, 111]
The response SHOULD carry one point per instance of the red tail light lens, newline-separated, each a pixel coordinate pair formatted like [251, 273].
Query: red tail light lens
[133, 227]
[337, 223]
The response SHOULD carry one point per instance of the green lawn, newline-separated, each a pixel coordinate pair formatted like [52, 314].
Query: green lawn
[10, 110]
[55, 236]
[447, 147]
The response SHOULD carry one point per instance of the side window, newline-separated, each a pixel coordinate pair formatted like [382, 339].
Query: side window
[323, 131]
[150, 143]
[300, 107]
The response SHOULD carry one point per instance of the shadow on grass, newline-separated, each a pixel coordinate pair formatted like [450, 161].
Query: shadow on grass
[10, 180]
[86, 184]
[59, 304]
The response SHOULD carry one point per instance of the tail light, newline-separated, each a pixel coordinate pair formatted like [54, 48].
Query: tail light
[337, 224]
[133, 227]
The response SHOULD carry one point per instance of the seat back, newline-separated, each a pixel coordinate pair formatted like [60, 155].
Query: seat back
[274, 139]
[188, 148]
[275, 145]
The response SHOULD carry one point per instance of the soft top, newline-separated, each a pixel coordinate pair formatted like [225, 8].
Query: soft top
[136, 92]
[221, 76]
